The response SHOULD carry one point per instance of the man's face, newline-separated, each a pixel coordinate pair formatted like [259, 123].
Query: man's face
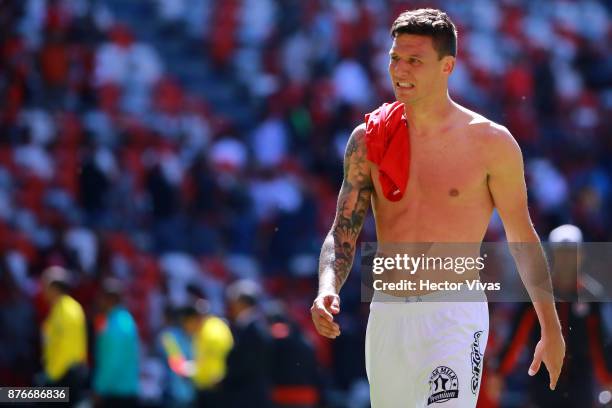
[415, 70]
[50, 293]
[233, 309]
[47, 294]
[191, 324]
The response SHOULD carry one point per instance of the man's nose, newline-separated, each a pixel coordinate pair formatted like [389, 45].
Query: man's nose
[401, 66]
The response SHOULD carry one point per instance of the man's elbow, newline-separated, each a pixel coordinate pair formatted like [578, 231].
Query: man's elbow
[523, 242]
[527, 236]
[520, 229]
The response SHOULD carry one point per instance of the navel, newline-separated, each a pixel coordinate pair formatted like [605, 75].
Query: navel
[453, 192]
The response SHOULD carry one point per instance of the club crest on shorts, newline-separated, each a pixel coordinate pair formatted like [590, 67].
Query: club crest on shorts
[476, 359]
[443, 385]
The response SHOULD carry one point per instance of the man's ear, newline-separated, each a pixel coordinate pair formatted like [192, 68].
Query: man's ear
[448, 64]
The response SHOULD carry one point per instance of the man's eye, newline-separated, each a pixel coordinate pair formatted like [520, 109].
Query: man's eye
[394, 58]
[414, 61]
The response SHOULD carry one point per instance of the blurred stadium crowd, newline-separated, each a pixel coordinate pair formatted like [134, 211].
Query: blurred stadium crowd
[179, 145]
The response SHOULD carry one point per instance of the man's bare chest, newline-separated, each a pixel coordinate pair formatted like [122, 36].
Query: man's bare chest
[447, 196]
[450, 169]
[451, 173]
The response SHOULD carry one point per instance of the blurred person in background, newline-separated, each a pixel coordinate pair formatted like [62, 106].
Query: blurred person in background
[211, 342]
[116, 365]
[295, 376]
[174, 345]
[64, 336]
[19, 334]
[585, 362]
[248, 364]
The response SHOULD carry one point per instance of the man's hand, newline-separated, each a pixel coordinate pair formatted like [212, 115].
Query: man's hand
[323, 308]
[551, 351]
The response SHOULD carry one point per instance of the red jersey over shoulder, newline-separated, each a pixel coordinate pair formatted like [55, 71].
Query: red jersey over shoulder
[388, 144]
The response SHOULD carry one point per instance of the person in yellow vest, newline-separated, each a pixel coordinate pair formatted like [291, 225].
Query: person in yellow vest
[211, 342]
[64, 336]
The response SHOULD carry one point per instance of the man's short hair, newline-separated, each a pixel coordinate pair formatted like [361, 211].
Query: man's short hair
[57, 277]
[565, 233]
[197, 308]
[113, 288]
[431, 23]
[244, 290]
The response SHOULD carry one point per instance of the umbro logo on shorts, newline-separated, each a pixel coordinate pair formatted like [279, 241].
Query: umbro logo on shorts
[476, 358]
[443, 385]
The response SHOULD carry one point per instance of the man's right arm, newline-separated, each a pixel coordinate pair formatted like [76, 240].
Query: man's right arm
[338, 249]
[506, 183]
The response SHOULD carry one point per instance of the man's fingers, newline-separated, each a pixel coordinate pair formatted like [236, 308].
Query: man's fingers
[330, 326]
[335, 305]
[553, 385]
[321, 320]
[553, 381]
[320, 310]
[551, 353]
[535, 365]
[327, 333]
[326, 330]
[554, 373]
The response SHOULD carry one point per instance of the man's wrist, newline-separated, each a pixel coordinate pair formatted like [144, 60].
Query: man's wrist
[551, 328]
[327, 291]
[548, 318]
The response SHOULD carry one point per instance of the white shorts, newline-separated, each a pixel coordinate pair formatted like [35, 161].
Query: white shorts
[425, 352]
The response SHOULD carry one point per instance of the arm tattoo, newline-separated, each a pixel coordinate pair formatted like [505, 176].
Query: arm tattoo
[353, 201]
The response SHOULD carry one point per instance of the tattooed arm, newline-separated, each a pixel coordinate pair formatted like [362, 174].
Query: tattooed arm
[353, 202]
[338, 248]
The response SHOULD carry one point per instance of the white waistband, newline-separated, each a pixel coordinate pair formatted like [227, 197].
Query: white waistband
[462, 295]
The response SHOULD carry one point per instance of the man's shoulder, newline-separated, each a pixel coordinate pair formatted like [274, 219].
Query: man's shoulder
[491, 132]
[124, 320]
[218, 328]
[67, 305]
[357, 140]
[359, 132]
[478, 122]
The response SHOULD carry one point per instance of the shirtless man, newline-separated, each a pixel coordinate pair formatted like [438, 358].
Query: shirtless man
[462, 166]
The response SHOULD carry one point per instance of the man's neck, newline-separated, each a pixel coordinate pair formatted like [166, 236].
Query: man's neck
[53, 300]
[245, 316]
[428, 113]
